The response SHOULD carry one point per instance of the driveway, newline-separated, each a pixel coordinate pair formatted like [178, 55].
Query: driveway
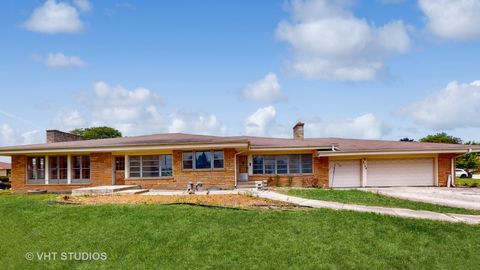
[454, 197]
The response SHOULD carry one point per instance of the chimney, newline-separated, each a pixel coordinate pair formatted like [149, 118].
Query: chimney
[54, 136]
[298, 131]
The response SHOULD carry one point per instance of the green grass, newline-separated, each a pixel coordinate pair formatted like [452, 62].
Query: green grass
[469, 182]
[180, 237]
[353, 196]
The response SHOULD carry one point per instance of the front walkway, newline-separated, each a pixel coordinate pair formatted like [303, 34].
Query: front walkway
[397, 212]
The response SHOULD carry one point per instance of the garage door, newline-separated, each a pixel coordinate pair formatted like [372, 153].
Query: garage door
[345, 173]
[400, 172]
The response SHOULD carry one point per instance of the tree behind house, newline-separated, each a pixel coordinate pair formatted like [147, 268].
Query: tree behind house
[93, 133]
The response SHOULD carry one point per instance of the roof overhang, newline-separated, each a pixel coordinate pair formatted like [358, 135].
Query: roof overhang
[394, 152]
[276, 149]
[242, 145]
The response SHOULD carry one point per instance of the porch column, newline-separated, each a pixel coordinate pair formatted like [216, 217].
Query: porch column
[47, 169]
[364, 172]
[127, 168]
[69, 169]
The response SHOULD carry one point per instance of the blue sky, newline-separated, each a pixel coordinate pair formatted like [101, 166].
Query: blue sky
[383, 69]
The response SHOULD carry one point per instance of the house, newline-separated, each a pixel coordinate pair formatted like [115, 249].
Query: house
[4, 169]
[171, 161]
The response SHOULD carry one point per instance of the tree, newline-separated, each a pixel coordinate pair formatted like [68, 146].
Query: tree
[406, 139]
[470, 161]
[441, 138]
[93, 133]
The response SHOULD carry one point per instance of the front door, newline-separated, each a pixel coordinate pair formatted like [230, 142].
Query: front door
[119, 170]
[243, 168]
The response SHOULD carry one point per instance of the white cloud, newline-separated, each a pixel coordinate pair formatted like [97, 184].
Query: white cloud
[59, 60]
[329, 42]
[197, 123]
[261, 121]
[134, 112]
[54, 18]
[68, 118]
[266, 89]
[366, 126]
[455, 106]
[83, 5]
[9, 136]
[453, 19]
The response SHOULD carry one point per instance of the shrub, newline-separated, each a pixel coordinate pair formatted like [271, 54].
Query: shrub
[310, 182]
[277, 180]
[474, 184]
[270, 181]
[290, 180]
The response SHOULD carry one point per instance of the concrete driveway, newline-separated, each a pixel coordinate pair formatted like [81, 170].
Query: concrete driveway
[454, 197]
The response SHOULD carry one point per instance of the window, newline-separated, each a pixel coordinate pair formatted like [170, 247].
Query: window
[166, 165]
[120, 163]
[80, 169]
[218, 159]
[58, 169]
[36, 170]
[282, 164]
[257, 164]
[188, 160]
[306, 163]
[203, 160]
[150, 166]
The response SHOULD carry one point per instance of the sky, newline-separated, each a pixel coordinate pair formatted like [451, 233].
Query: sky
[383, 69]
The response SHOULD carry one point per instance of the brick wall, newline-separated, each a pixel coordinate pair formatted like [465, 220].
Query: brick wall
[54, 136]
[100, 174]
[320, 173]
[444, 168]
[224, 178]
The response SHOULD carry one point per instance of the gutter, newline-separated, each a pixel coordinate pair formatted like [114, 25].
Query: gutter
[390, 152]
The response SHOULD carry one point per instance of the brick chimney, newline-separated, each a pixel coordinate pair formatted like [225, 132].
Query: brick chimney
[54, 136]
[298, 131]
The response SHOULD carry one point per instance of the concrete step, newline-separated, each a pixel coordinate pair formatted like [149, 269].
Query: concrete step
[250, 184]
[131, 191]
[102, 190]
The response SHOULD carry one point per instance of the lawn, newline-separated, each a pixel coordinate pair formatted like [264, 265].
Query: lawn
[468, 182]
[353, 196]
[153, 236]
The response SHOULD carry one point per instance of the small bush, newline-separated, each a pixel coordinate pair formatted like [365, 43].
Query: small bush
[474, 184]
[277, 180]
[311, 182]
[290, 180]
[270, 181]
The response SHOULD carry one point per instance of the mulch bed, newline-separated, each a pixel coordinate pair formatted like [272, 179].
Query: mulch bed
[222, 201]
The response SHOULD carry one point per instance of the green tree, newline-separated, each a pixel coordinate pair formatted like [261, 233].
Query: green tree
[470, 161]
[441, 138]
[93, 133]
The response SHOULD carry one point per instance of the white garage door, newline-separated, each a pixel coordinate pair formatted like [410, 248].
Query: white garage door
[400, 172]
[345, 173]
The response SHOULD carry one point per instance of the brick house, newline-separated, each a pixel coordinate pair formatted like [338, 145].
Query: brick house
[170, 161]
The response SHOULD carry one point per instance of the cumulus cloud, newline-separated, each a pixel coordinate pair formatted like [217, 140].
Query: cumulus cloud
[194, 122]
[455, 106]
[366, 126]
[59, 60]
[83, 5]
[259, 122]
[54, 18]
[456, 20]
[69, 118]
[330, 42]
[267, 89]
[9, 136]
[134, 112]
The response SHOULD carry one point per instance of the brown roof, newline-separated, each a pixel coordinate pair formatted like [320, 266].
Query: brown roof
[5, 166]
[340, 144]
